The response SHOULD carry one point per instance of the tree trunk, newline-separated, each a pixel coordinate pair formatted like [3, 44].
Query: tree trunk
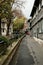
[0, 26]
[8, 25]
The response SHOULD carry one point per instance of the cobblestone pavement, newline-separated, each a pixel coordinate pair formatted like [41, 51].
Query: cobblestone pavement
[30, 52]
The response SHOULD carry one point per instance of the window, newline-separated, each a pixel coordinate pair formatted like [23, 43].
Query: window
[42, 25]
[39, 6]
[3, 29]
[42, 2]
[9, 29]
[3, 26]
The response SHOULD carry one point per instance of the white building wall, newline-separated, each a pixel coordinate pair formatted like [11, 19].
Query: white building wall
[5, 29]
[42, 2]
[11, 29]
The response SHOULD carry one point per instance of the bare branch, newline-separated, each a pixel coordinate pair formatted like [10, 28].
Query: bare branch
[19, 4]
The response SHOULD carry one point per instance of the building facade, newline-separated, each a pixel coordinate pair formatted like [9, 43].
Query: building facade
[36, 23]
[4, 27]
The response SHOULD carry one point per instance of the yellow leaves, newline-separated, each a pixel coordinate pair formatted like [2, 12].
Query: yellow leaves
[18, 24]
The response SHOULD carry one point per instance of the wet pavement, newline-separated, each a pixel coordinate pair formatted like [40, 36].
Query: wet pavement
[23, 56]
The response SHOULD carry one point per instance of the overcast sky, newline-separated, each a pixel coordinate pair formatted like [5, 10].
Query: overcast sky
[28, 7]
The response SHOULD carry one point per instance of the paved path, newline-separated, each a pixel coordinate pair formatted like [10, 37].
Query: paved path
[36, 49]
[24, 56]
[30, 52]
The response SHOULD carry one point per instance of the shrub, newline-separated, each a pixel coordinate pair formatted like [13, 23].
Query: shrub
[6, 40]
[4, 45]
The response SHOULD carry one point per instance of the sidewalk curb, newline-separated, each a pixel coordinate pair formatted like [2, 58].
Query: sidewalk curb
[8, 58]
[38, 40]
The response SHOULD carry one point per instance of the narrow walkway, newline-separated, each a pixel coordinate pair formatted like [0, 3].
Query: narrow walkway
[23, 56]
[30, 52]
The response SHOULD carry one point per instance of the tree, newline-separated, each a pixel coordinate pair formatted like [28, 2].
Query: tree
[5, 10]
[18, 24]
[18, 13]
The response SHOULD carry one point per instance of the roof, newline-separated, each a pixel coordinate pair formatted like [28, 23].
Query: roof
[36, 4]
